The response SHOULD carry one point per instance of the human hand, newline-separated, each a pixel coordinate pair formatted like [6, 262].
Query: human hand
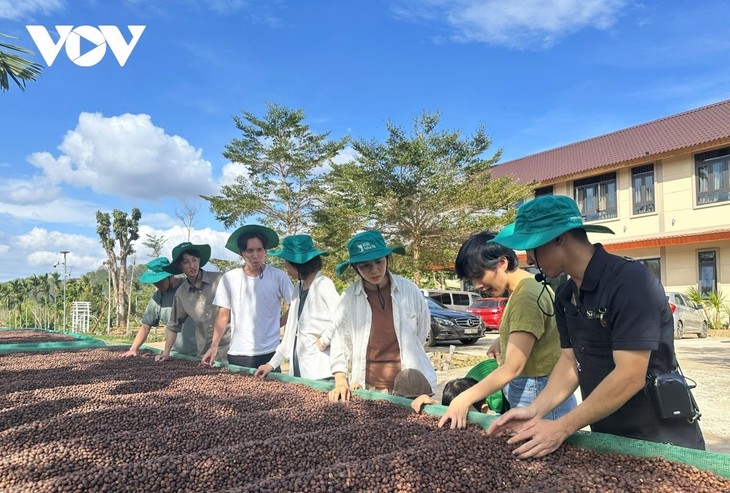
[162, 357]
[539, 438]
[130, 354]
[493, 351]
[457, 413]
[340, 392]
[420, 401]
[512, 421]
[320, 345]
[263, 370]
[209, 357]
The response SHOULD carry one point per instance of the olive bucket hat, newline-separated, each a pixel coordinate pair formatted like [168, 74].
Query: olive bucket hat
[272, 239]
[203, 250]
[543, 219]
[366, 246]
[155, 271]
[298, 249]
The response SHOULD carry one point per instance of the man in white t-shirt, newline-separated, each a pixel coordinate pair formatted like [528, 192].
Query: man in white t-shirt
[251, 298]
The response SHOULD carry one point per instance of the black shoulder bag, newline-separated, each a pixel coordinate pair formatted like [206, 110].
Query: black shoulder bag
[671, 395]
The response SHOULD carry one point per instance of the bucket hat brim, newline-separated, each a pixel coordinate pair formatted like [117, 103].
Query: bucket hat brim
[479, 372]
[203, 250]
[368, 256]
[543, 219]
[515, 240]
[155, 271]
[298, 257]
[271, 237]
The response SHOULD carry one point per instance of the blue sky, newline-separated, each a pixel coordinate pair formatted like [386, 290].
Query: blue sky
[537, 73]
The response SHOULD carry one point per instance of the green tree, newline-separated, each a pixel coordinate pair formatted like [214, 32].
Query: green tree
[428, 189]
[281, 161]
[119, 233]
[224, 265]
[15, 67]
[155, 244]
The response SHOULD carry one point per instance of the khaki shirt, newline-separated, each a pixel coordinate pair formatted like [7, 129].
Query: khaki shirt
[197, 303]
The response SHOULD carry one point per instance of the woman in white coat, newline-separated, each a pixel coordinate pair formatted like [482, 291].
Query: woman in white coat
[310, 323]
[381, 324]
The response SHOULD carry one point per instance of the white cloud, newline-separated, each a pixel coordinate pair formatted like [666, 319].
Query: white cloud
[38, 250]
[41, 251]
[35, 191]
[127, 156]
[517, 24]
[178, 234]
[230, 172]
[21, 9]
[61, 210]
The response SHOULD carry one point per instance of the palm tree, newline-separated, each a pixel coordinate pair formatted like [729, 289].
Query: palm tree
[16, 67]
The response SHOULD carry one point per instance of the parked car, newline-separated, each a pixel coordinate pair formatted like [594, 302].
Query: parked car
[689, 317]
[489, 310]
[451, 299]
[450, 324]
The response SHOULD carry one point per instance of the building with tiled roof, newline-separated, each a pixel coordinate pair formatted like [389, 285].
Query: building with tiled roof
[663, 187]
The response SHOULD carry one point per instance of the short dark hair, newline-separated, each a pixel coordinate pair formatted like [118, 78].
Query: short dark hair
[456, 387]
[478, 254]
[311, 266]
[192, 251]
[579, 234]
[242, 242]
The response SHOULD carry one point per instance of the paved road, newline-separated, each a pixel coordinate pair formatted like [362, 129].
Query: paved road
[707, 361]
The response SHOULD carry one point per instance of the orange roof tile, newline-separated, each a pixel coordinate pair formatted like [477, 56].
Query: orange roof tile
[706, 126]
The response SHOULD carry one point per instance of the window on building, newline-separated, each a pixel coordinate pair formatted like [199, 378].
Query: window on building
[713, 176]
[596, 197]
[707, 262]
[642, 182]
[653, 265]
[539, 192]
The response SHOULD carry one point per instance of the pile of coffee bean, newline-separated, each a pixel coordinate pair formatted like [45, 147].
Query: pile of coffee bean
[92, 421]
[18, 336]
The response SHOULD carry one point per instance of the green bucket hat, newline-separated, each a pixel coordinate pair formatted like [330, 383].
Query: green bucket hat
[365, 246]
[298, 249]
[543, 219]
[203, 250]
[155, 272]
[479, 372]
[271, 237]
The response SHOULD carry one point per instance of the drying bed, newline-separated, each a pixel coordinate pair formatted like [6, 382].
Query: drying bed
[90, 420]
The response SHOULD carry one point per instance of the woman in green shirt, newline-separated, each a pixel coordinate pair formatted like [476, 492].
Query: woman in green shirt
[528, 346]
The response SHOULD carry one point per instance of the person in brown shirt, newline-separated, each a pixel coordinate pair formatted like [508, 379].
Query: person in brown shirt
[381, 324]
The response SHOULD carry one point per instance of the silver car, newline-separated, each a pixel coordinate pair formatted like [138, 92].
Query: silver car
[689, 317]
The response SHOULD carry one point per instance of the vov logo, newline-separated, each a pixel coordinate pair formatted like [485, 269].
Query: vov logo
[70, 37]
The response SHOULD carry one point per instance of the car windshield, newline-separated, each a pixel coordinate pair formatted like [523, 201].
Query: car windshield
[435, 305]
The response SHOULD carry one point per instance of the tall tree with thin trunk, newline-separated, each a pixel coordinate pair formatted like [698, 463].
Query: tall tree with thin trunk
[186, 214]
[282, 163]
[118, 233]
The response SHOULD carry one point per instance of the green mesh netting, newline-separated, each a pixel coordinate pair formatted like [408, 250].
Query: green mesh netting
[78, 341]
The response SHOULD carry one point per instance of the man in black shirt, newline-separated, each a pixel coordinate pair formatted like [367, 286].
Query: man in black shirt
[616, 334]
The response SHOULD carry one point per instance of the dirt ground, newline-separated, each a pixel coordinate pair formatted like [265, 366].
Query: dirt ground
[706, 361]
